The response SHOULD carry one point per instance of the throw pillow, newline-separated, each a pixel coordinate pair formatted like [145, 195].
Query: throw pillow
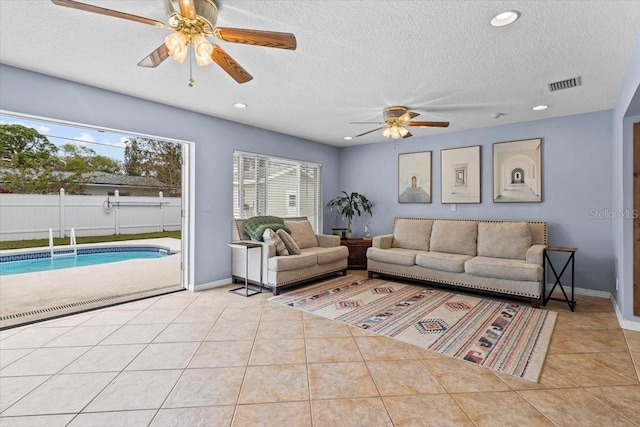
[288, 241]
[256, 225]
[270, 236]
[504, 239]
[412, 234]
[302, 233]
[454, 237]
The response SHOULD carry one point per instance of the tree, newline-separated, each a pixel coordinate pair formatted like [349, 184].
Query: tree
[155, 159]
[76, 158]
[29, 161]
[21, 145]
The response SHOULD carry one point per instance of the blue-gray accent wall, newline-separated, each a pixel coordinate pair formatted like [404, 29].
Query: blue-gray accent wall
[586, 160]
[215, 139]
[625, 111]
[577, 180]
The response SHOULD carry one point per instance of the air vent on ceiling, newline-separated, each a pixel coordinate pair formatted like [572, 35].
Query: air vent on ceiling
[564, 84]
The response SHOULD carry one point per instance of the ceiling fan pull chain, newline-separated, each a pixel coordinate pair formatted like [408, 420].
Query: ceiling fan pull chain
[191, 81]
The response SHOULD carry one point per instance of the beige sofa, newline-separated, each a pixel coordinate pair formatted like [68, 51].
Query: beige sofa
[321, 255]
[495, 256]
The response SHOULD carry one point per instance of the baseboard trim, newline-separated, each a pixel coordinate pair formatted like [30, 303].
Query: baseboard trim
[624, 324]
[211, 285]
[581, 291]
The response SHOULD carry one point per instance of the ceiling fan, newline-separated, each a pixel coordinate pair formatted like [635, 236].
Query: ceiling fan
[395, 120]
[192, 22]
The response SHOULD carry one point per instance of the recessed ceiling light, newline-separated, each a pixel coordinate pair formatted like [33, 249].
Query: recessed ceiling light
[540, 107]
[240, 105]
[505, 18]
[348, 137]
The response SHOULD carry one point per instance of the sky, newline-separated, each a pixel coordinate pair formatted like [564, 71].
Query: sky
[109, 144]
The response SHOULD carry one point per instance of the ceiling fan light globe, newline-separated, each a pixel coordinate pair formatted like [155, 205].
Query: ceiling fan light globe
[387, 132]
[395, 132]
[178, 45]
[403, 131]
[203, 49]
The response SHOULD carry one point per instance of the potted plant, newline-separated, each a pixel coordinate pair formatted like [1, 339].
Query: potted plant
[349, 205]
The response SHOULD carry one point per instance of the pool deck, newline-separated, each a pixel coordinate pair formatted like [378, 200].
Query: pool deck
[33, 296]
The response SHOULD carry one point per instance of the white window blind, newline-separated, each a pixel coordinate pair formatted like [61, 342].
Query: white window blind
[265, 185]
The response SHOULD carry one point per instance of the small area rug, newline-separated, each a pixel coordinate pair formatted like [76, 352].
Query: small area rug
[502, 336]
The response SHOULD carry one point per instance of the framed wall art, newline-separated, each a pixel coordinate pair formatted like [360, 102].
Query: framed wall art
[517, 171]
[414, 177]
[460, 175]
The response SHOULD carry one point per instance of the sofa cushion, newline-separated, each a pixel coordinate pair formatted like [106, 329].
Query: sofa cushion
[454, 237]
[393, 256]
[412, 234]
[328, 255]
[302, 233]
[288, 241]
[442, 261]
[504, 239]
[292, 262]
[501, 268]
[256, 225]
[270, 236]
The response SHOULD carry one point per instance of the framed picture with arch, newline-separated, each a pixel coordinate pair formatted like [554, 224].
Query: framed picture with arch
[517, 171]
[414, 177]
[460, 180]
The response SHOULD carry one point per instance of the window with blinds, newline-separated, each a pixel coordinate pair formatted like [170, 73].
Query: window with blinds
[265, 185]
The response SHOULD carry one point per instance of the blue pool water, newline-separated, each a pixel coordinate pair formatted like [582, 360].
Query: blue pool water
[42, 261]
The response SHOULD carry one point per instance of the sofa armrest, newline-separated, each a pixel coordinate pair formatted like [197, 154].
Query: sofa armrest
[534, 254]
[383, 242]
[328, 240]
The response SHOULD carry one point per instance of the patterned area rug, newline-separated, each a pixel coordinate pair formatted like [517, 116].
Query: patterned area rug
[502, 336]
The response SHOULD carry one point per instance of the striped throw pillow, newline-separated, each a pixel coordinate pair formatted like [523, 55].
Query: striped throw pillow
[270, 236]
[291, 244]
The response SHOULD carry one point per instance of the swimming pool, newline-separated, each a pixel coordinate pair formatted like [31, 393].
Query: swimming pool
[42, 261]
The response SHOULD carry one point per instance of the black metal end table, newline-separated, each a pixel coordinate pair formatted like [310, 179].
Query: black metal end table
[246, 246]
[570, 261]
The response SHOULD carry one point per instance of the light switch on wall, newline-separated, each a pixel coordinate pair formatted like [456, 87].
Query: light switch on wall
[453, 207]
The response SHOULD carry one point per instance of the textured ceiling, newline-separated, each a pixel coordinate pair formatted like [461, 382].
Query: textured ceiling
[439, 58]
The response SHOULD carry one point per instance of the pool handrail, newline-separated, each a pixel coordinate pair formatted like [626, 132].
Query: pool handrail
[72, 243]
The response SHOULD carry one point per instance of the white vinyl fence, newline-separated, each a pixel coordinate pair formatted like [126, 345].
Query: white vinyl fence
[30, 216]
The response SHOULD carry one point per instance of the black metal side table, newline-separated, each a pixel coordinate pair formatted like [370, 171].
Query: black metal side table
[547, 261]
[246, 246]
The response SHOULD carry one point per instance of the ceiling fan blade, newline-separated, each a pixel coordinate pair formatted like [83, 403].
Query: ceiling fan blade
[256, 37]
[408, 135]
[229, 64]
[362, 134]
[408, 116]
[103, 11]
[156, 57]
[187, 8]
[366, 123]
[429, 124]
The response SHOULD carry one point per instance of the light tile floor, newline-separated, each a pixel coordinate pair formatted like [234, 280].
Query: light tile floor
[217, 359]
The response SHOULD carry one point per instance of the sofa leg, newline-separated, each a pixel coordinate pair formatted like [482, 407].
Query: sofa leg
[344, 272]
[535, 302]
[275, 292]
[370, 274]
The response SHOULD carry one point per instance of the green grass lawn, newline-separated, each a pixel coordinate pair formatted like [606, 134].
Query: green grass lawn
[20, 244]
